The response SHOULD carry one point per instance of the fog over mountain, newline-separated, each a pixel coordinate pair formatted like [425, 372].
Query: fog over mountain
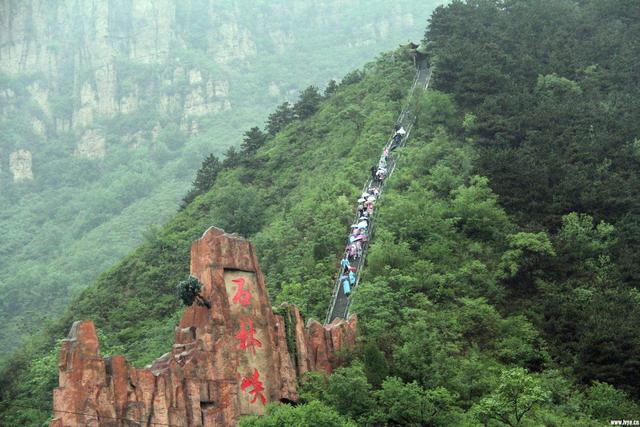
[107, 108]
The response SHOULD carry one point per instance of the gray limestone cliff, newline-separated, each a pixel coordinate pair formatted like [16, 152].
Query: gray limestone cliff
[71, 66]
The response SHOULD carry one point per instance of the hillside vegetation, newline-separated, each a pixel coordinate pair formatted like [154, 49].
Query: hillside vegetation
[494, 293]
[117, 103]
[550, 96]
[288, 188]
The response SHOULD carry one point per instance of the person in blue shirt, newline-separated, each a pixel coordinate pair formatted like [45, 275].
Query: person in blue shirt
[345, 264]
[344, 279]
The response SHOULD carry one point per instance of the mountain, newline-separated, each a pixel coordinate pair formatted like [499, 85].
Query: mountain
[500, 285]
[107, 108]
[299, 181]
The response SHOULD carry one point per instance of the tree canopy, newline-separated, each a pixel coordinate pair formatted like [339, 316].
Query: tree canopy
[500, 284]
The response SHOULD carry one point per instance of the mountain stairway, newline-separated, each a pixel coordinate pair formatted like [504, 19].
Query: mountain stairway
[339, 307]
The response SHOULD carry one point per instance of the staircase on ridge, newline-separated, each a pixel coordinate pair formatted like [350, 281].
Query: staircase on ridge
[340, 303]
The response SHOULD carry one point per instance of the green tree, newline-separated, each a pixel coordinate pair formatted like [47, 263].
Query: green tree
[401, 404]
[603, 402]
[253, 139]
[313, 386]
[527, 252]
[238, 209]
[205, 178]
[354, 115]
[434, 108]
[331, 88]
[232, 158]
[377, 307]
[308, 103]
[352, 77]
[375, 364]
[415, 355]
[280, 118]
[517, 395]
[477, 211]
[349, 392]
[579, 242]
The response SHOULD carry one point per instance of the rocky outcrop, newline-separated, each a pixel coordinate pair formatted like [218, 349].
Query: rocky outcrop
[20, 165]
[226, 362]
[73, 66]
[91, 145]
[317, 347]
[85, 61]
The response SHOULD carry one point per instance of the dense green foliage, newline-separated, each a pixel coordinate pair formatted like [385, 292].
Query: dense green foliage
[188, 291]
[431, 306]
[79, 217]
[310, 415]
[478, 306]
[550, 94]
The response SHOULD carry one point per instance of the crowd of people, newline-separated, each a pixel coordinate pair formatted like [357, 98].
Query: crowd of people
[360, 229]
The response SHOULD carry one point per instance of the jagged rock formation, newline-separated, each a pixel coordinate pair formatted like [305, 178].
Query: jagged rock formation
[91, 145]
[317, 346]
[226, 362]
[20, 165]
[96, 58]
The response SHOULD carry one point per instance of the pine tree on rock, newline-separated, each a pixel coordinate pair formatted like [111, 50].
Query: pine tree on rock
[189, 292]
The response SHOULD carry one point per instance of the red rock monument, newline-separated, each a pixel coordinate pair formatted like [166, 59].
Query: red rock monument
[227, 361]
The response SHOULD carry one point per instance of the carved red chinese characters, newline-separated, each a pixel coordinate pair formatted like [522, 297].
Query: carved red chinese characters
[227, 362]
[254, 381]
[242, 295]
[247, 337]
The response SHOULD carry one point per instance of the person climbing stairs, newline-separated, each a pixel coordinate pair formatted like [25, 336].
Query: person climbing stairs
[363, 228]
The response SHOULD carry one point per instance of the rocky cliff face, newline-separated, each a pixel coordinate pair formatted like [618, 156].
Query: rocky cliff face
[71, 66]
[68, 65]
[226, 362]
[20, 165]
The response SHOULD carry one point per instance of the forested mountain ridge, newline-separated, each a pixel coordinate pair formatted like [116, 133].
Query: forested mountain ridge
[107, 108]
[551, 99]
[475, 309]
